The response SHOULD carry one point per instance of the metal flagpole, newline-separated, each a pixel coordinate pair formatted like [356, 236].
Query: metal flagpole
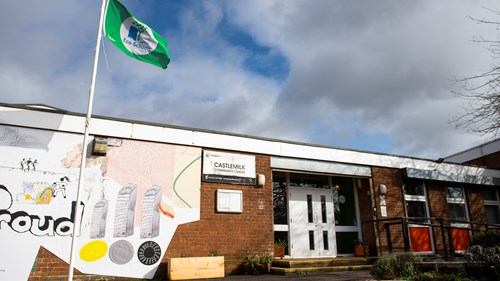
[81, 179]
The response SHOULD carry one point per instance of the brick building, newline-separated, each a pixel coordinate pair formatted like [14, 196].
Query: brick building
[486, 155]
[152, 192]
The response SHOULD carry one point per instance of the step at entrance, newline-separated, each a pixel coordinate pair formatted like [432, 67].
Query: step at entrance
[308, 266]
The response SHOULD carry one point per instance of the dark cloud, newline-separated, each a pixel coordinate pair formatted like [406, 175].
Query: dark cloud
[378, 61]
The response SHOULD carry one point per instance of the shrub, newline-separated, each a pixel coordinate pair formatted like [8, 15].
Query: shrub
[483, 255]
[392, 266]
[383, 268]
[256, 264]
[483, 262]
[485, 239]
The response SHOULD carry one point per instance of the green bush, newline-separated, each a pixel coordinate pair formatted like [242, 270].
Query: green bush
[392, 266]
[483, 262]
[485, 239]
[383, 268]
[256, 264]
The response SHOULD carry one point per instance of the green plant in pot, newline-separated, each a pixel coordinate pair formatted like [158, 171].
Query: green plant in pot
[257, 264]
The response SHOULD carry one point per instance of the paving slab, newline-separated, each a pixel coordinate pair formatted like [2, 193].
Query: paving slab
[358, 275]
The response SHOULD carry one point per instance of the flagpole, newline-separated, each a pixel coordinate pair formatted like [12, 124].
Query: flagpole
[81, 179]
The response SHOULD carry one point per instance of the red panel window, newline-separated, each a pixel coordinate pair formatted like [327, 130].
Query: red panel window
[420, 238]
[460, 238]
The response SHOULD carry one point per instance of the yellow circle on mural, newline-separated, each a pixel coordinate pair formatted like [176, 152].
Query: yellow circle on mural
[93, 251]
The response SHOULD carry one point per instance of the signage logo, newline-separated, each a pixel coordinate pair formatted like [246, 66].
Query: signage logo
[137, 37]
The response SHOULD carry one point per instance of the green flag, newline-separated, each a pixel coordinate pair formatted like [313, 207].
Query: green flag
[133, 37]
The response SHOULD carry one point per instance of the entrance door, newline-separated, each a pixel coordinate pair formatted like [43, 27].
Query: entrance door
[312, 224]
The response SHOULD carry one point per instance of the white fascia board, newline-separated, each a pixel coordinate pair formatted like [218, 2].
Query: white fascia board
[450, 177]
[320, 166]
[380, 160]
[349, 156]
[59, 121]
[237, 143]
[464, 156]
[475, 152]
[41, 119]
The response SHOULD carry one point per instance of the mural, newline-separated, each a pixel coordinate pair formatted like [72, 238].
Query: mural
[133, 199]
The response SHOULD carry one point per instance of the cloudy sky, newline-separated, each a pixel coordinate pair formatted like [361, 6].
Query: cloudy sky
[368, 75]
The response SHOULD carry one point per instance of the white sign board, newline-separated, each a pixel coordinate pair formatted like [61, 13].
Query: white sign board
[229, 201]
[228, 168]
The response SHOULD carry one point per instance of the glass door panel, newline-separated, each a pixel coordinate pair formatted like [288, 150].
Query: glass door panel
[346, 223]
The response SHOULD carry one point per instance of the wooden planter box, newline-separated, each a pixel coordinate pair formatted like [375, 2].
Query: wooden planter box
[195, 268]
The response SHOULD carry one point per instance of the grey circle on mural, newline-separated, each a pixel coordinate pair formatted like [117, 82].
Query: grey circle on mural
[121, 252]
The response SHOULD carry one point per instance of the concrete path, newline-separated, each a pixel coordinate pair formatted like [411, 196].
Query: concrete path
[358, 275]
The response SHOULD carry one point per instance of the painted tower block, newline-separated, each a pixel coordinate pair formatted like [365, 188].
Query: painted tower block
[125, 211]
[150, 214]
[99, 215]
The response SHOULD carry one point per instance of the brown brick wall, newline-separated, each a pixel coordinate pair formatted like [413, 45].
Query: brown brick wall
[436, 196]
[491, 161]
[477, 212]
[391, 178]
[47, 266]
[232, 235]
[438, 208]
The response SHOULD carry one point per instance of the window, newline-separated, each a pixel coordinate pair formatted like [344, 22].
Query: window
[311, 240]
[344, 202]
[325, 240]
[414, 188]
[492, 205]
[457, 212]
[280, 208]
[416, 201]
[279, 198]
[455, 198]
[309, 208]
[323, 210]
[492, 214]
[309, 181]
[417, 211]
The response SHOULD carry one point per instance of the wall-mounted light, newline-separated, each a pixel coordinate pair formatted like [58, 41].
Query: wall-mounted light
[337, 186]
[261, 180]
[100, 146]
[383, 189]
